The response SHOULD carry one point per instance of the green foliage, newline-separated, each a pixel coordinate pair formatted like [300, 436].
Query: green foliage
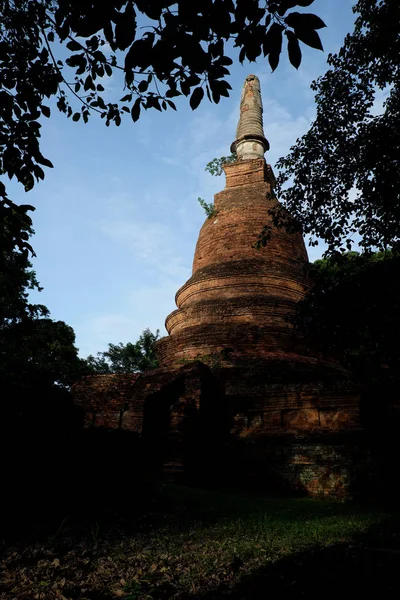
[36, 353]
[343, 175]
[353, 312]
[16, 281]
[129, 358]
[209, 208]
[17, 278]
[214, 167]
[59, 48]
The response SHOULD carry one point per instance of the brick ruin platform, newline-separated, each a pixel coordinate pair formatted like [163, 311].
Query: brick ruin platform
[238, 391]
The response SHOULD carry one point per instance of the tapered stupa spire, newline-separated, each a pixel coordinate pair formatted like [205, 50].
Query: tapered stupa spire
[250, 139]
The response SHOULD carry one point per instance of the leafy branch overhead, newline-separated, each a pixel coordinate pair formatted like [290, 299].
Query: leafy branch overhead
[160, 49]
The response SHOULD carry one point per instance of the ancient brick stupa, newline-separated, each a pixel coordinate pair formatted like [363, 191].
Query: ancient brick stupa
[236, 305]
[236, 383]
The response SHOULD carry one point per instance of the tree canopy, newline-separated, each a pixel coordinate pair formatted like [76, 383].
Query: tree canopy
[37, 354]
[63, 49]
[352, 312]
[17, 277]
[127, 358]
[341, 180]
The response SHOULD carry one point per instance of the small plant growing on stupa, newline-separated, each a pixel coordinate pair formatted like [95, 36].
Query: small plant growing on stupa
[209, 207]
[214, 167]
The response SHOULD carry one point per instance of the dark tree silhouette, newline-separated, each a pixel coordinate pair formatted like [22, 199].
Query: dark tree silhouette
[343, 175]
[128, 358]
[353, 312]
[38, 357]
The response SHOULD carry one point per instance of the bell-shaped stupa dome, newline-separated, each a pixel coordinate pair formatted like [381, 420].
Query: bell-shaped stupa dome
[239, 299]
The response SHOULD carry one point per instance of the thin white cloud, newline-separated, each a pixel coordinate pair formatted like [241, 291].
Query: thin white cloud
[144, 240]
[145, 306]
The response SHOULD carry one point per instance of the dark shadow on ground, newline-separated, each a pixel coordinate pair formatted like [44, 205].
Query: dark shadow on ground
[50, 480]
[368, 567]
[114, 497]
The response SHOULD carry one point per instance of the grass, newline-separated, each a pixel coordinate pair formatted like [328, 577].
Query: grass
[183, 543]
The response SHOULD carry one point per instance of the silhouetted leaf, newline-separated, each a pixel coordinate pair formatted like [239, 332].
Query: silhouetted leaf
[225, 60]
[285, 5]
[294, 51]
[185, 87]
[309, 37]
[143, 85]
[196, 98]
[38, 171]
[77, 60]
[43, 161]
[74, 46]
[139, 54]
[28, 181]
[153, 102]
[125, 29]
[89, 85]
[100, 57]
[26, 207]
[45, 110]
[273, 43]
[304, 21]
[135, 111]
[273, 59]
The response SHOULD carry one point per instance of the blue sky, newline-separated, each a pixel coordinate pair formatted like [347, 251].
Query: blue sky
[117, 219]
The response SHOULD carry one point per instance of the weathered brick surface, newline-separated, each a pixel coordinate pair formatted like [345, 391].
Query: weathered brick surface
[104, 398]
[239, 296]
[232, 366]
[319, 464]
[110, 391]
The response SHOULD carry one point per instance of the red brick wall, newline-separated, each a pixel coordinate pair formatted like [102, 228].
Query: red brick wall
[105, 399]
[239, 296]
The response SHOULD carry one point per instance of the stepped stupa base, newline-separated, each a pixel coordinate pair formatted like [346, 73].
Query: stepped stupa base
[269, 425]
